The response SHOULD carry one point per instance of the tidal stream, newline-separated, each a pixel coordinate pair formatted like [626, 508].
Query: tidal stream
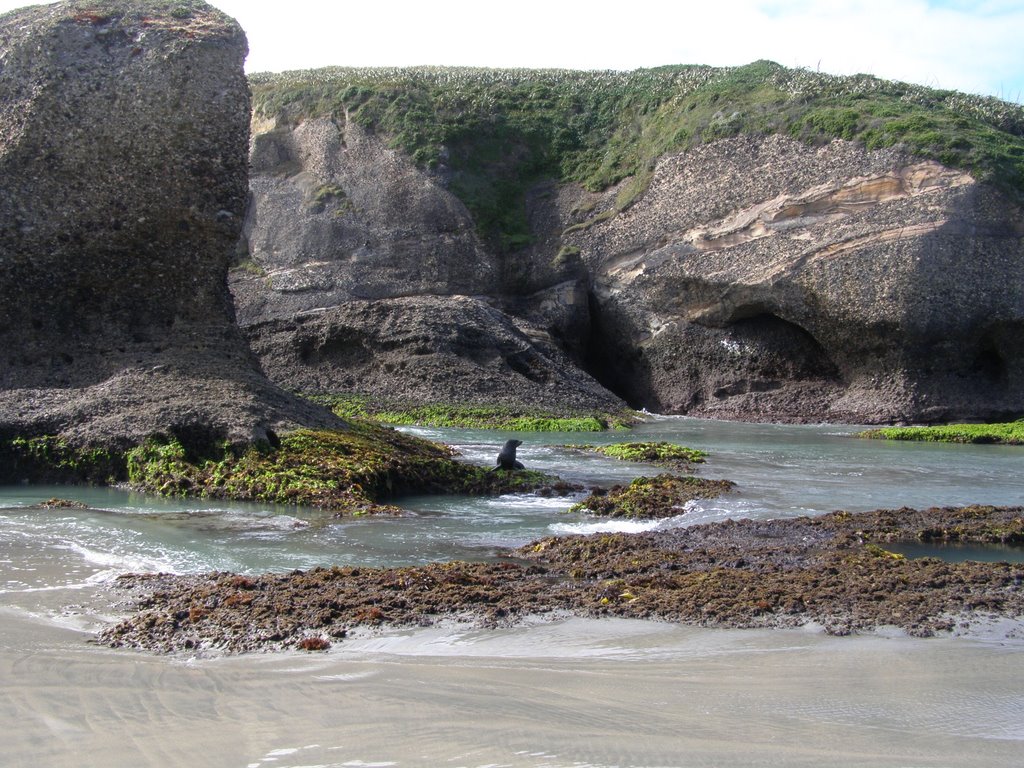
[571, 692]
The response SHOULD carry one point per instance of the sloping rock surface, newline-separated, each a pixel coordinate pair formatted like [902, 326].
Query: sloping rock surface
[453, 349]
[123, 154]
[366, 275]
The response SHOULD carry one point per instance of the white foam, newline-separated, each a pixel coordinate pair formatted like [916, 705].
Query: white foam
[121, 562]
[518, 501]
[606, 526]
[89, 582]
[623, 525]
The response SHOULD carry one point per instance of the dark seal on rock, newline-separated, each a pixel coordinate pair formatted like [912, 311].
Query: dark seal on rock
[507, 456]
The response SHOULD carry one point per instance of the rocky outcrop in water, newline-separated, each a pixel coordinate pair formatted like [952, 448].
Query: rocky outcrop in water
[832, 570]
[123, 154]
[756, 277]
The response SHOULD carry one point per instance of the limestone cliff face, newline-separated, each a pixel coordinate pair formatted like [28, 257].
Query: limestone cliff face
[366, 275]
[757, 277]
[337, 216]
[760, 277]
[123, 154]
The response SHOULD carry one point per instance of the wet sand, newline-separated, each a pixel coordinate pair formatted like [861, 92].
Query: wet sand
[575, 692]
[571, 693]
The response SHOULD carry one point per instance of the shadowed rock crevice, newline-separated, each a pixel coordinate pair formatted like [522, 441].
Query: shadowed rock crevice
[995, 350]
[758, 359]
[777, 348]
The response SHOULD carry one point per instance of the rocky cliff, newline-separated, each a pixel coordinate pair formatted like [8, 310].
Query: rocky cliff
[365, 275]
[123, 154]
[761, 277]
[754, 243]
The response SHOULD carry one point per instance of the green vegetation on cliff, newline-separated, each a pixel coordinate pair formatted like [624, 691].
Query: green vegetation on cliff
[1010, 433]
[50, 458]
[500, 131]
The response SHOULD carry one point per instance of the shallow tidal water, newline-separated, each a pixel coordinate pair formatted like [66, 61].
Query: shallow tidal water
[571, 692]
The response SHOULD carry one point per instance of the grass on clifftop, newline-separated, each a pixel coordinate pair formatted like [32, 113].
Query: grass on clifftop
[472, 416]
[499, 131]
[1010, 433]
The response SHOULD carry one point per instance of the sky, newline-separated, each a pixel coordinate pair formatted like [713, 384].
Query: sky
[975, 46]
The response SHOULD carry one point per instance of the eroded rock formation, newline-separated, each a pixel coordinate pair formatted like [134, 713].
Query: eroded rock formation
[123, 154]
[424, 349]
[757, 277]
[367, 275]
[760, 277]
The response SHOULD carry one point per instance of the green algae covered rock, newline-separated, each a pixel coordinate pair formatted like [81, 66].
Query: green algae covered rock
[653, 497]
[1007, 433]
[662, 453]
[352, 471]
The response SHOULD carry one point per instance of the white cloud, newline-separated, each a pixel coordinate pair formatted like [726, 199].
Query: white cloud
[970, 45]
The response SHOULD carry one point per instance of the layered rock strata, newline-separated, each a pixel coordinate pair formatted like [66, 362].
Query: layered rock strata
[756, 277]
[760, 277]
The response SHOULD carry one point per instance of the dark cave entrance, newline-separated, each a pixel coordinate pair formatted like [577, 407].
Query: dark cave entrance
[775, 352]
[781, 349]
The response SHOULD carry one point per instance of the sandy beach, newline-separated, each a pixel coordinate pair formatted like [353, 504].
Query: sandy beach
[564, 694]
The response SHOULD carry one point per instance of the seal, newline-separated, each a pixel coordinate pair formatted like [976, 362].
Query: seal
[507, 456]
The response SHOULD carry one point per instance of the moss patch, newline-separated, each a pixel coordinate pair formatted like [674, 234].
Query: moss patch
[56, 503]
[652, 497]
[662, 454]
[1008, 433]
[51, 459]
[473, 417]
[351, 472]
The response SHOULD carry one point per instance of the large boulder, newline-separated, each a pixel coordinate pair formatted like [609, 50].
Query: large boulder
[760, 277]
[123, 154]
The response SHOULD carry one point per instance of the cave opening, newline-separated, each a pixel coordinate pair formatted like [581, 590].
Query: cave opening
[756, 351]
[617, 368]
[989, 364]
[780, 348]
